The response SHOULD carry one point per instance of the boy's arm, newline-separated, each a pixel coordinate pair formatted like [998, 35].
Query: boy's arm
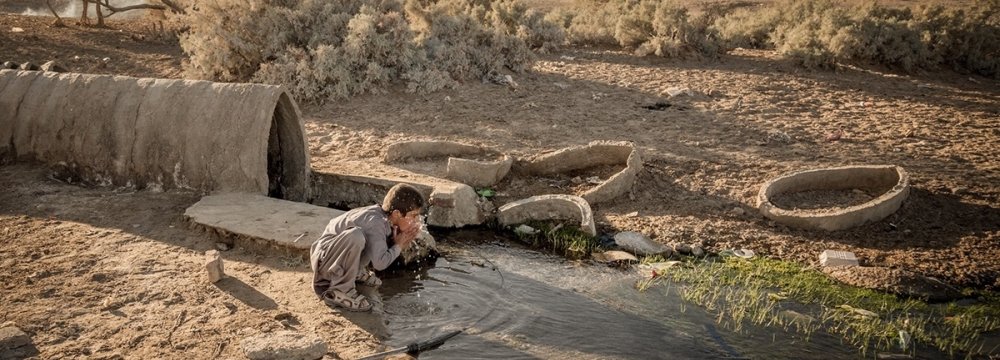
[375, 244]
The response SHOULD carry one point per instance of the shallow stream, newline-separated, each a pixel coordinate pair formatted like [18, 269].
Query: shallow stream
[517, 303]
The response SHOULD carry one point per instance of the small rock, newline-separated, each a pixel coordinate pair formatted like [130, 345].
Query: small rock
[738, 211]
[632, 214]
[639, 244]
[561, 85]
[16, 30]
[614, 256]
[11, 337]
[10, 65]
[29, 67]
[959, 190]
[525, 230]
[683, 249]
[400, 357]
[221, 246]
[282, 345]
[53, 67]
[213, 264]
[674, 91]
[697, 251]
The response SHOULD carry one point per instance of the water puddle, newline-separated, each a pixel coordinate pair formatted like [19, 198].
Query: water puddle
[517, 303]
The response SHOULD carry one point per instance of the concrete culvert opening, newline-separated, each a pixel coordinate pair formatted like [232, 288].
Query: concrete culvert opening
[157, 133]
[285, 147]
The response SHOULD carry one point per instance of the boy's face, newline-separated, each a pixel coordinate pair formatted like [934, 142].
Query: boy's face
[411, 217]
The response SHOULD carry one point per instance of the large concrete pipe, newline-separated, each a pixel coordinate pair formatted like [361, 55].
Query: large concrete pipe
[156, 132]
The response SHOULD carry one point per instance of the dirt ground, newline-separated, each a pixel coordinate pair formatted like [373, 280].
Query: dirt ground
[99, 273]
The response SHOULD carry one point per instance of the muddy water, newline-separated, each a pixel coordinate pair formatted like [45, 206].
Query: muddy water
[516, 303]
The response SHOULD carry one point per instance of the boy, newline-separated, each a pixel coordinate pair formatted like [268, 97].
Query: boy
[360, 237]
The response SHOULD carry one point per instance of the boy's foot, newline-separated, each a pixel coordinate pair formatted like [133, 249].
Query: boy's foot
[350, 300]
[368, 278]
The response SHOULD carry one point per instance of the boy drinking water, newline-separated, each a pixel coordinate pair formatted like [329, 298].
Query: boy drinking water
[360, 237]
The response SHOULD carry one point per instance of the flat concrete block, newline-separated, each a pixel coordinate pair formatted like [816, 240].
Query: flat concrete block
[889, 177]
[284, 223]
[549, 207]
[11, 337]
[837, 258]
[213, 264]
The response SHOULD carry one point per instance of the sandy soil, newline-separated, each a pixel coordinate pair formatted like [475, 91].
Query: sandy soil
[93, 272]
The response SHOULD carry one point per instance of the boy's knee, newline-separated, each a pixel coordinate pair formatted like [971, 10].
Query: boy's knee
[355, 237]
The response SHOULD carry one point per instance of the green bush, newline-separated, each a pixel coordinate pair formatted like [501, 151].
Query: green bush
[322, 49]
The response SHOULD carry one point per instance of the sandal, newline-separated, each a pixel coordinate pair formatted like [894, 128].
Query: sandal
[368, 278]
[350, 300]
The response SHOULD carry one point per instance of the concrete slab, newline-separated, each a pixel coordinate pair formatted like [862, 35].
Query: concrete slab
[257, 220]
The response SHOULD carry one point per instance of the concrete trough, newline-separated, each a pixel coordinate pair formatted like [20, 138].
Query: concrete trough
[157, 133]
[889, 177]
[460, 167]
[549, 207]
[596, 153]
[359, 184]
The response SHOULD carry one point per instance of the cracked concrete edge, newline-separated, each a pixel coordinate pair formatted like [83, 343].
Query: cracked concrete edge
[846, 177]
[549, 207]
[478, 173]
[427, 148]
[618, 184]
[596, 153]
[451, 204]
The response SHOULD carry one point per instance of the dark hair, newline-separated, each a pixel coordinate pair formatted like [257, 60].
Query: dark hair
[403, 197]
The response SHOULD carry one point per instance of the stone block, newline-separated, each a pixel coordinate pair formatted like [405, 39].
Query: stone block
[213, 264]
[837, 258]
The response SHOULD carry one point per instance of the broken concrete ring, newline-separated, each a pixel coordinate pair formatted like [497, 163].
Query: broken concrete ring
[467, 171]
[549, 207]
[596, 153]
[838, 178]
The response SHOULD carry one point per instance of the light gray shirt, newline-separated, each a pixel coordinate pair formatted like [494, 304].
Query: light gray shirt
[375, 225]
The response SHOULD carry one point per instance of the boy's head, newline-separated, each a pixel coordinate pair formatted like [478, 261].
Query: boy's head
[403, 201]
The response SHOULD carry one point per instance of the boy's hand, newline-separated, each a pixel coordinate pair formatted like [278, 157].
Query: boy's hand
[403, 236]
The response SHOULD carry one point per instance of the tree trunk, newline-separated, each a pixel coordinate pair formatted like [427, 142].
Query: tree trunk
[58, 22]
[83, 15]
[100, 15]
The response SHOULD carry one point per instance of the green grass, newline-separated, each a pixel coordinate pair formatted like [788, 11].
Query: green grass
[761, 292]
[567, 241]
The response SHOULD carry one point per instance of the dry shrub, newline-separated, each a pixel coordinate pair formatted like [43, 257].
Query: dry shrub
[320, 49]
[818, 33]
[661, 28]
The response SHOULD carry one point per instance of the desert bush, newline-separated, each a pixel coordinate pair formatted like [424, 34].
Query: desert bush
[650, 27]
[321, 49]
[819, 33]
